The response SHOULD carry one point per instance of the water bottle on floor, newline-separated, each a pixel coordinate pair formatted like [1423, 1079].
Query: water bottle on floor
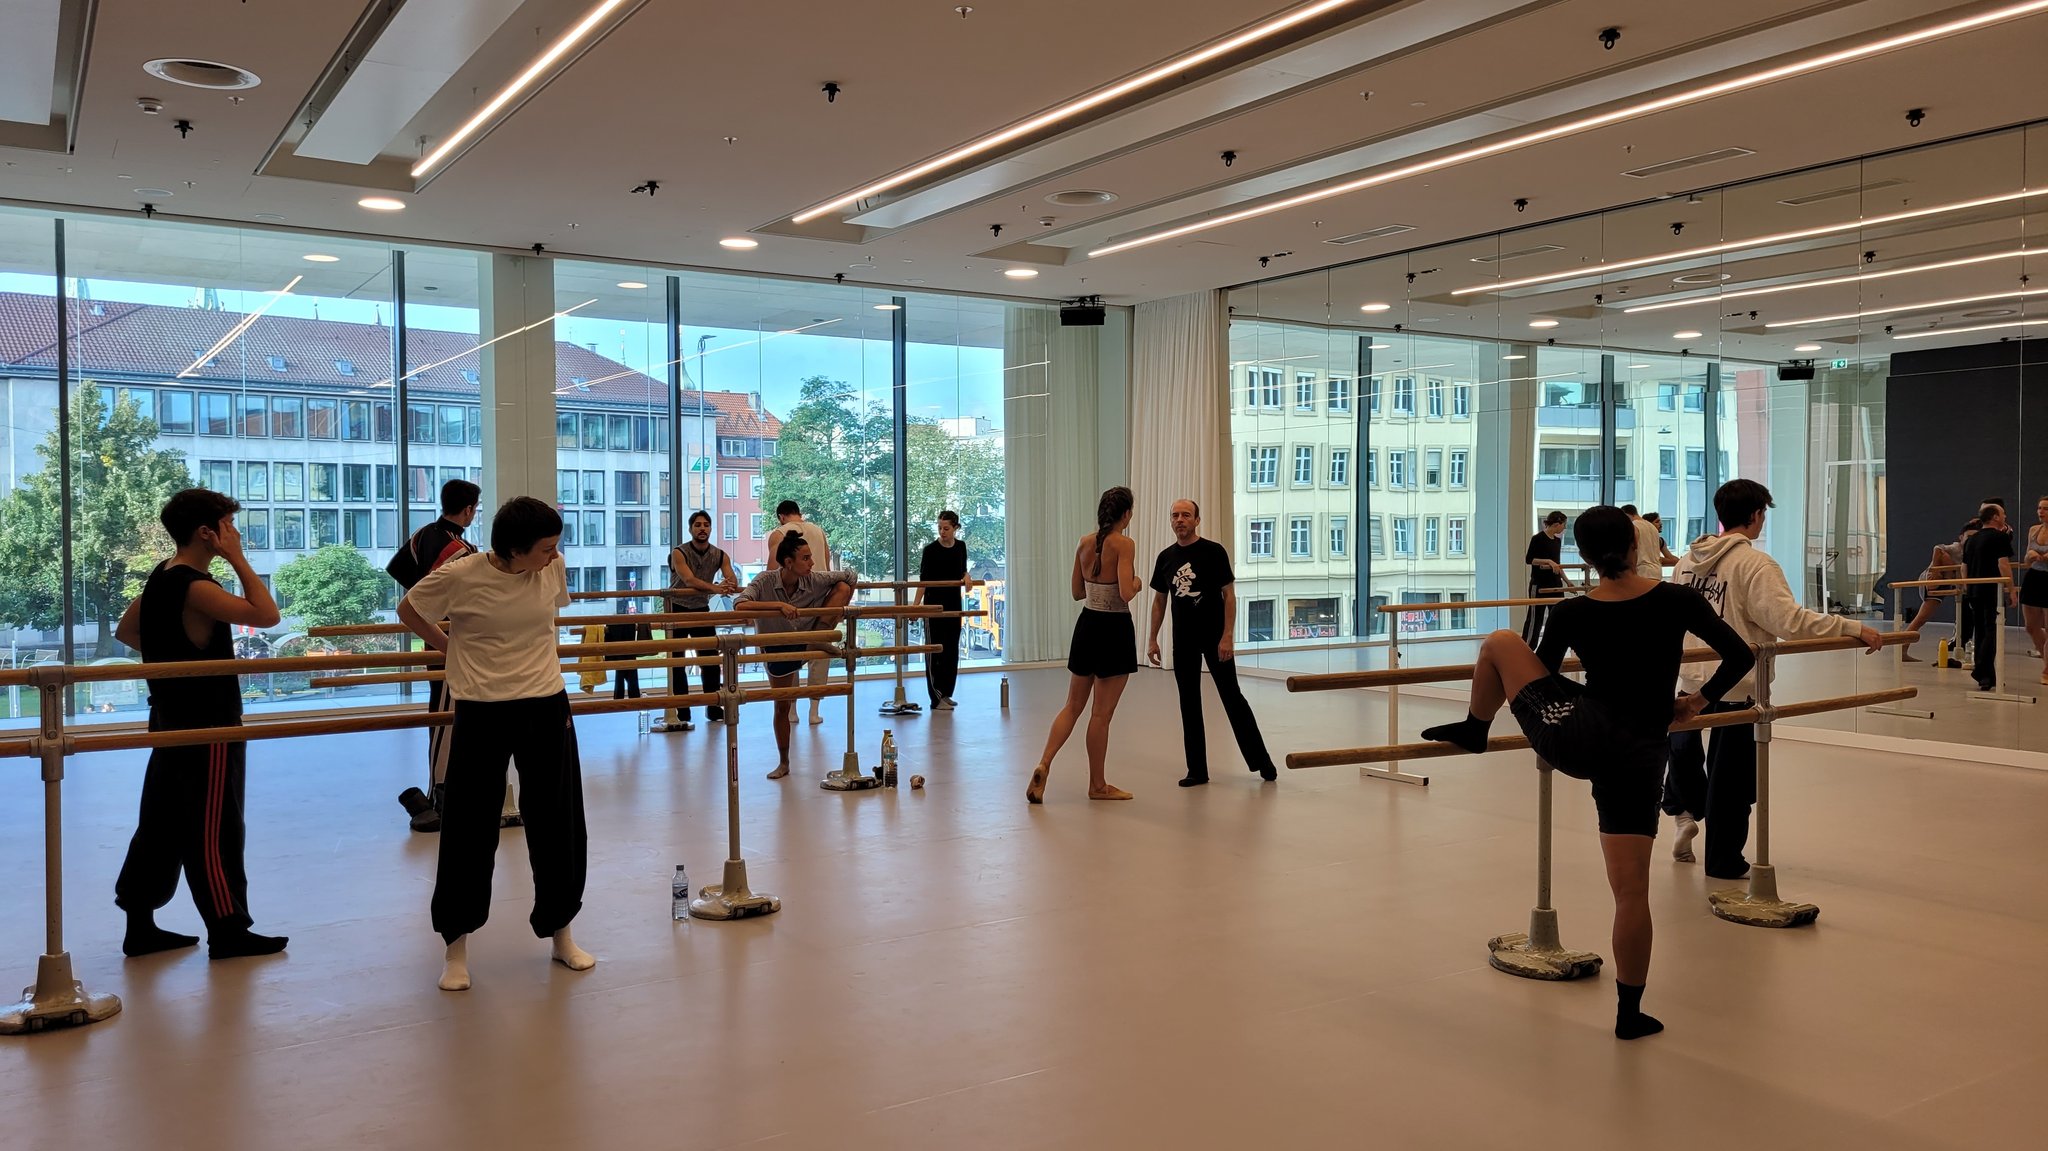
[888, 772]
[645, 721]
[681, 894]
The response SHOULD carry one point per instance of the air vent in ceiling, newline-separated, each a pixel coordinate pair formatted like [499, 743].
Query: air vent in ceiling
[1518, 253]
[1370, 234]
[1838, 193]
[1713, 157]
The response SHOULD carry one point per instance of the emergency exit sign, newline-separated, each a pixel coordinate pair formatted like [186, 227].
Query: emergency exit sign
[1838, 365]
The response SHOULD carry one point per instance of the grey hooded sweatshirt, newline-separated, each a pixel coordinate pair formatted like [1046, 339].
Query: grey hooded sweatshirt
[1749, 591]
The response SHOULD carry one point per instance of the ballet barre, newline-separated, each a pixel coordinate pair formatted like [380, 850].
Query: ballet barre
[1959, 589]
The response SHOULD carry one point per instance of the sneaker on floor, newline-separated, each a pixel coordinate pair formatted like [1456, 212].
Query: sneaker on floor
[947, 704]
[714, 715]
[1688, 830]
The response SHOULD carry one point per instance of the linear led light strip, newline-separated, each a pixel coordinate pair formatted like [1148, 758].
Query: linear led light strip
[235, 332]
[695, 356]
[1602, 269]
[386, 382]
[1830, 282]
[1074, 108]
[520, 83]
[1972, 328]
[1925, 305]
[1573, 128]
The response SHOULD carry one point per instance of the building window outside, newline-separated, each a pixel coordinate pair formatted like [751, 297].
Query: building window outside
[1436, 399]
[756, 485]
[1667, 397]
[1460, 617]
[291, 482]
[1261, 539]
[355, 483]
[1304, 465]
[593, 529]
[1726, 472]
[255, 485]
[321, 489]
[1269, 387]
[1397, 471]
[291, 530]
[255, 526]
[323, 419]
[1459, 460]
[1695, 463]
[565, 488]
[325, 526]
[1265, 468]
[1372, 397]
[592, 434]
[1695, 527]
[1340, 536]
[565, 432]
[253, 414]
[287, 418]
[218, 475]
[1304, 392]
[1300, 530]
[1568, 463]
[1430, 528]
[1433, 468]
[1456, 540]
[632, 487]
[356, 530]
[1667, 463]
[1404, 396]
[174, 413]
[593, 488]
[569, 533]
[1339, 394]
[1258, 620]
[1404, 535]
[1376, 540]
[419, 423]
[1340, 467]
[730, 486]
[1372, 467]
[216, 416]
[1461, 401]
[1696, 398]
[731, 526]
[759, 528]
[632, 530]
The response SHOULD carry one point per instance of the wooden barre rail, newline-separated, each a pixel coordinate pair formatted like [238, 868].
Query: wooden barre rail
[1952, 582]
[658, 619]
[906, 585]
[580, 667]
[1446, 605]
[1336, 757]
[1451, 673]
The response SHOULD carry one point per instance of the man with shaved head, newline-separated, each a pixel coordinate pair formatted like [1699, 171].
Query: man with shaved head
[1194, 575]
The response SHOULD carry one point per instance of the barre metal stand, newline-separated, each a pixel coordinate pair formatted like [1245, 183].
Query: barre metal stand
[1999, 692]
[732, 898]
[901, 705]
[1898, 670]
[1538, 953]
[849, 776]
[1760, 906]
[57, 998]
[1392, 769]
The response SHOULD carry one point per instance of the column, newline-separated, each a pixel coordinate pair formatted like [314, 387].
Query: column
[519, 381]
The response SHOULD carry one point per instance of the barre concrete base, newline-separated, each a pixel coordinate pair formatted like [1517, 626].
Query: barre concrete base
[1760, 906]
[1537, 953]
[733, 899]
[57, 1000]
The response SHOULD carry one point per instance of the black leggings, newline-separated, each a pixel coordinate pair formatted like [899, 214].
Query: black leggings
[539, 737]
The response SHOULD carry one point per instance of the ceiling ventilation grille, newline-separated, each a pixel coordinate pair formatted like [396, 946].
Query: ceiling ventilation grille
[1518, 253]
[1838, 193]
[1370, 234]
[1713, 157]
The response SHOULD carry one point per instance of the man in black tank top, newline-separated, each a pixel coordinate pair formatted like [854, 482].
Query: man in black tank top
[191, 815]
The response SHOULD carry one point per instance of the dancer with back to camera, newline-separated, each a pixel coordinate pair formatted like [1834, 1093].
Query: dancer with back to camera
[1104, 651]
[1629, 632]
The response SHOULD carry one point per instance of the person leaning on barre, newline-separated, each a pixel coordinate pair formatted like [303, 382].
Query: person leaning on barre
[793, 596]
[1629, 633]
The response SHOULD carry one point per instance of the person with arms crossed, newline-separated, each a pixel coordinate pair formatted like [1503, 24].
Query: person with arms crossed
[1193, 574]
[703, 570]
[192, 797]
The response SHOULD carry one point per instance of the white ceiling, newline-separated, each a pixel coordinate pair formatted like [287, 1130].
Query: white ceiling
[657, 98]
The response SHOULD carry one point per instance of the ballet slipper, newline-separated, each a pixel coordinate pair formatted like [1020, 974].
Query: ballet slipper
[1108, 792]
[1036, 792]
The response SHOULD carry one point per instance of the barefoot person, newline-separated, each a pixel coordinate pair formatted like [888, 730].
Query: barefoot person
[789, 520]
[793, 596]
[506, 678]
[1104, 651]
[192, 796]
[1629, 632]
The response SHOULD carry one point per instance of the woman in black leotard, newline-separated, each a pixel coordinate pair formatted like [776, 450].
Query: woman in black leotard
[1629, 632]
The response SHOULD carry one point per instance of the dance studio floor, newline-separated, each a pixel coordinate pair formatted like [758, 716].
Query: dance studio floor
[1299, 965]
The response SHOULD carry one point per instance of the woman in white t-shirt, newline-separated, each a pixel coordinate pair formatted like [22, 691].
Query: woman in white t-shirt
[506, 679]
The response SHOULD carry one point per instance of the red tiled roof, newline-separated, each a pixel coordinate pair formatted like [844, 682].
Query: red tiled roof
[154, 340]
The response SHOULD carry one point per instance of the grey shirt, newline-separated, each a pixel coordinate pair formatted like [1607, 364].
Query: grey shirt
[810, 591]
[706, 567]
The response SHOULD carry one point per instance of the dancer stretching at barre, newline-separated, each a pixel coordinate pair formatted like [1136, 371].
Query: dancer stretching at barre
[1629, 632]
[1104, 651]
[793, 596]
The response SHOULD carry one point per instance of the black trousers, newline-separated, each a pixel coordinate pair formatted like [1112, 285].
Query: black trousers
[1188, 655]
[538, 736]
[1987, 611]
[191, 820]
[1715, 781]
[1532, 626]
[942, 667]
[679, 678]
[437, 741]
[626, 680]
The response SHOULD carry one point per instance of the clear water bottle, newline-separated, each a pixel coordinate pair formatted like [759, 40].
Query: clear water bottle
[888, 772]
[646, 720]
[681, 894]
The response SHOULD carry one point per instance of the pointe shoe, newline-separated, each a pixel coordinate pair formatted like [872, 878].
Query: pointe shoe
[1109, 792]
[1036, 792]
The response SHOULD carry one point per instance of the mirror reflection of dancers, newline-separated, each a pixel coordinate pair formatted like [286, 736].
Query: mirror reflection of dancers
[1629, 632]
[1104, 651]
[506, 677]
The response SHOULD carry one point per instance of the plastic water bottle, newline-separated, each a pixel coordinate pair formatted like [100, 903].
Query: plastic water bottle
[645, 722]
[888, 771]
[681, 893]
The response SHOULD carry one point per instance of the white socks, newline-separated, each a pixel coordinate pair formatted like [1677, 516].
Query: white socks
[571, 956]
[455, 975]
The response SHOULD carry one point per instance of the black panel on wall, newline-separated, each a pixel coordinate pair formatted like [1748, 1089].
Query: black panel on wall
[1958, 425]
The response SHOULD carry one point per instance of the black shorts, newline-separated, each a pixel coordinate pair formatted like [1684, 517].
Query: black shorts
[2034, 588]
[779, 668]
[1578, 736]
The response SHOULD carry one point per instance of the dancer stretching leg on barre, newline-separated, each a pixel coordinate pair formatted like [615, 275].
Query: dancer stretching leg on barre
[1104, 651]
[506, 678]
[1629, 632]
[792, 597]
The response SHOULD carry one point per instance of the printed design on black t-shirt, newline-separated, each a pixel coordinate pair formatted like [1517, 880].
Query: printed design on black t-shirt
[1184, 584]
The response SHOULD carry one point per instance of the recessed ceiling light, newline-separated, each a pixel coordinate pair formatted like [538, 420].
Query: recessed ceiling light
[154, 193]
[1542, 323]
[270, 217]
[1956, 331]
[1991, 313]
[631, 285]
[123, 176]
[1375, 307]
[1379, 347]
[888, 307]
[1680, 99]
[1081, 198]
[1688, 334]
[320, 258]
[1807, 348]
[1638, 367]
[1702, 278]
[202, 74]
[1021, 273]
[381, 204]
[739, 243]
[1922, 306]
[1514, 357]
[1172, 69]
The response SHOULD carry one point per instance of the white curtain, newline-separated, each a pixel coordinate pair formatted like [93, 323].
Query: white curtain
[1180, 429]
[1051, 391]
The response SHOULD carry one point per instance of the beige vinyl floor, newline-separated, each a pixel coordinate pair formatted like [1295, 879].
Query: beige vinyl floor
[1299, 965]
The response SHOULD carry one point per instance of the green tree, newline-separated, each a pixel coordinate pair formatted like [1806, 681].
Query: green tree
[836, 459]
[119, 483]
[332, 587]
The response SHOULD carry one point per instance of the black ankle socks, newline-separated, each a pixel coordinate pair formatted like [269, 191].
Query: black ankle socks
[1629, 1020]
[1468, 733]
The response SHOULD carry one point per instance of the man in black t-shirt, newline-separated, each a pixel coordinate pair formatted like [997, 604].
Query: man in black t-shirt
[1988, 554]
[1194, 576]
[429, 548]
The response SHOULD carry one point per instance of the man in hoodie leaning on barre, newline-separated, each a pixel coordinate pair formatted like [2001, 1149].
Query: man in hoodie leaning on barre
[1749, 590]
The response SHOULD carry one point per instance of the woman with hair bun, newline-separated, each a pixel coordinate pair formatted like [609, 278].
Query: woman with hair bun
[1628, 632]
[1104, 651]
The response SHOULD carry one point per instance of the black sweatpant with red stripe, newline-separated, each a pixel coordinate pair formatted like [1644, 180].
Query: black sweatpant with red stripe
[191, 821]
